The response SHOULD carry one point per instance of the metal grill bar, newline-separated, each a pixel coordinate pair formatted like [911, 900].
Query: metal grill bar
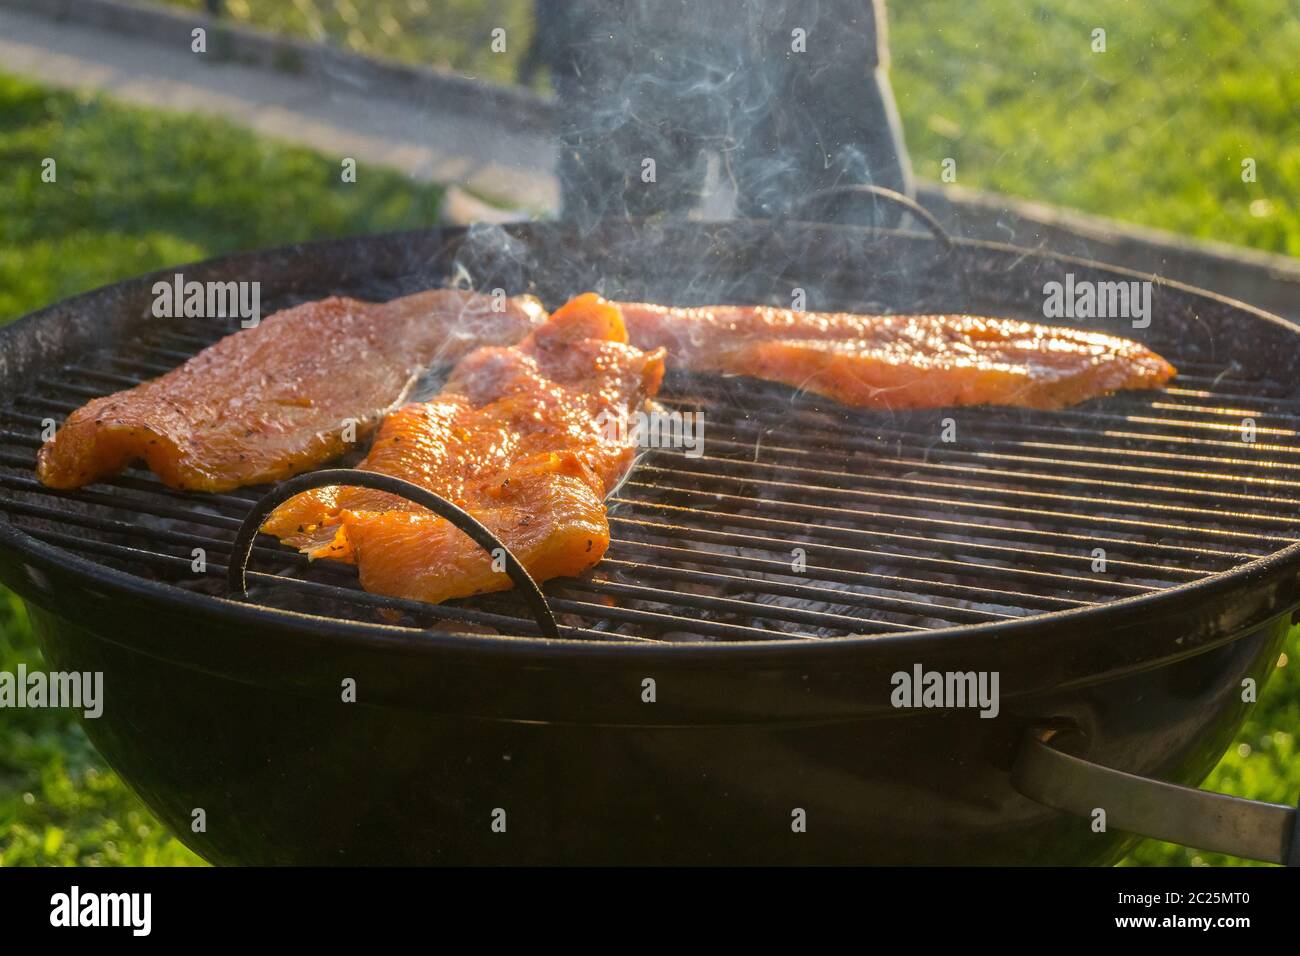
[998, 441]
[817, 533]
[928, 588]
[966, 527]
[861, 483]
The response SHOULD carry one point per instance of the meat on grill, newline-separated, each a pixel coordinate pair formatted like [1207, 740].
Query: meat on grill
[524, 438]
[279, 398]
[272, 401]
[900, 361]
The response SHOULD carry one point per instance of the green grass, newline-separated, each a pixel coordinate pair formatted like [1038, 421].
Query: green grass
[1152, 131]
[135, 191]
[59, 804]
[138, 190]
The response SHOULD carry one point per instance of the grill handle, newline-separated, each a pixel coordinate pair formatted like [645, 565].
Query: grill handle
[237, 572]
[1166, 811]
[809, 204]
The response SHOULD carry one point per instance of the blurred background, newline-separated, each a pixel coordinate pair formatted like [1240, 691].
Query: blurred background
[1014, 121]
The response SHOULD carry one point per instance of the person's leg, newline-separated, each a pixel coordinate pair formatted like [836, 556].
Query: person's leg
[821, 111]
[646, 82]
[636, 105]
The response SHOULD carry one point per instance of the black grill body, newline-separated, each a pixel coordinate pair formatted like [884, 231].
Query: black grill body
[236, 707]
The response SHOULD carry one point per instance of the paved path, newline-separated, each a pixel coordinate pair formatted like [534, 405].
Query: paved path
[423, 142]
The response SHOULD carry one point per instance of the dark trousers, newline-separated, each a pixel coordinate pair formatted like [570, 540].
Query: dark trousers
[792, 95]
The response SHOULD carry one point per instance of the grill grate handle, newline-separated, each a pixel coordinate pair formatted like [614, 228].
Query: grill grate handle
[822, 198]
[237, 573]
[1153, 808]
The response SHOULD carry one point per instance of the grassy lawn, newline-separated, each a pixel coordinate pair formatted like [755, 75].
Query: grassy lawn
[1152, 131]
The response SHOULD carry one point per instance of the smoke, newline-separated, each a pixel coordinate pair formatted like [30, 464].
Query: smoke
[490, 251]
[744, 111]
[734, 110]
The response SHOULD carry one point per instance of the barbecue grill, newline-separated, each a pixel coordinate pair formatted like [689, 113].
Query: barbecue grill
[1124, 566]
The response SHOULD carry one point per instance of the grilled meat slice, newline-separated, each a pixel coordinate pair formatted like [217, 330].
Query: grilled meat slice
[280, 398]
[520, 437]
[900, 361]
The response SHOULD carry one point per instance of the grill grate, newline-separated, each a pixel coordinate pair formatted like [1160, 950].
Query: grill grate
[895, 529]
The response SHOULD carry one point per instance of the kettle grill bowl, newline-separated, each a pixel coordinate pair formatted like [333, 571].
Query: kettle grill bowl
[237, 708]
[288, 774]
